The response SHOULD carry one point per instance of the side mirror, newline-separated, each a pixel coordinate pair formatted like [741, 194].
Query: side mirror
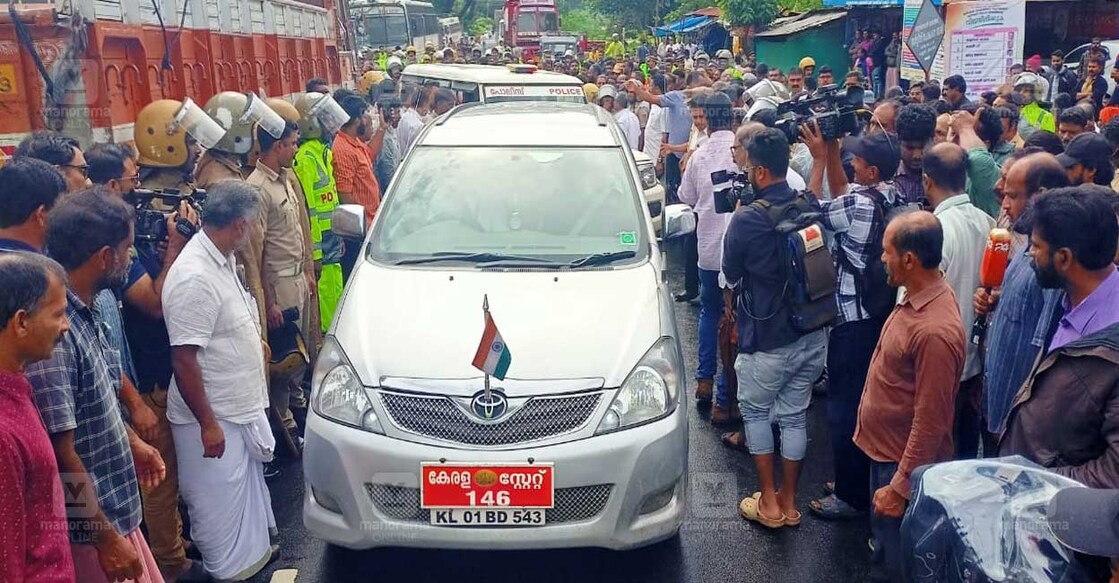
[349, 221]
[679, 220]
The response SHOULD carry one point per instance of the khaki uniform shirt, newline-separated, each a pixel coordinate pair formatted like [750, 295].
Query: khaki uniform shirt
[213, 168]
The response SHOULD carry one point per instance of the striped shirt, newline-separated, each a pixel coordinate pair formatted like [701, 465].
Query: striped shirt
[76, 389]
[851, 218]
[353, 173]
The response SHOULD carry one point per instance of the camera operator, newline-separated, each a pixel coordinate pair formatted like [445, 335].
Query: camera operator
[776, 364]
[112, 166]
[857, 216]
[710, 162]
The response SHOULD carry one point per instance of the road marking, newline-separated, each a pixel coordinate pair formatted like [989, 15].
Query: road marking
[284, 576]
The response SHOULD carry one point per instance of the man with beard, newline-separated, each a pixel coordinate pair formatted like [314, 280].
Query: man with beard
[219, 392]
[1012, 341]
[76, 391]
[146, 352]
[1087, 159]
[1066, 415]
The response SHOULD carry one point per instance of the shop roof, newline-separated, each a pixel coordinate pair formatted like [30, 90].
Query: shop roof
[803, 22]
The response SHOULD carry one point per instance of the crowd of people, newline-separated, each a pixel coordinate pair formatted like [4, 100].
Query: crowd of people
[162, 305]
[154, 347]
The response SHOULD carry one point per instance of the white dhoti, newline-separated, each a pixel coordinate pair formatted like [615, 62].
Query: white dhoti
[230, 508]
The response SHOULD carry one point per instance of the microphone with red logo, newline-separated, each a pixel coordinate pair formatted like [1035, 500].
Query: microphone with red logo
[991, 273]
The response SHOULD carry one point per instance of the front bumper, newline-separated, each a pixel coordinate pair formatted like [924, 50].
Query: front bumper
[617, 491]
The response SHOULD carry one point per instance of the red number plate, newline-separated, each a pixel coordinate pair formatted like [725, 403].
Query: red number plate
[474, 486]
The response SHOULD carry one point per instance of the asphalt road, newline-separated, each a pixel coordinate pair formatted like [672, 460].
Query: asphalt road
[714, 543]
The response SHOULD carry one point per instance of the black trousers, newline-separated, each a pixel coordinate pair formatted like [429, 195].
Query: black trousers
[850, 348]
[349, 259]
[690, 243]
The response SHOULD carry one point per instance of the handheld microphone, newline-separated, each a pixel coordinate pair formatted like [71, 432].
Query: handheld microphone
[991, 273]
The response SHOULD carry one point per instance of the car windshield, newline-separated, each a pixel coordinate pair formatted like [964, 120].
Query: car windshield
[532, 206]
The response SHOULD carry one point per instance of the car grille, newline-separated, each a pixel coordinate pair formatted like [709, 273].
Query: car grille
[571, 504]
[540, 418]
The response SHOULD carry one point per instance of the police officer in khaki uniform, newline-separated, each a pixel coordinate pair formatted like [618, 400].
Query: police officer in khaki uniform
[314, 334]
[238, 114]
[285, 258]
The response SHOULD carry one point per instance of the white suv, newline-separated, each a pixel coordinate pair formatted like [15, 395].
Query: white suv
[537, 209]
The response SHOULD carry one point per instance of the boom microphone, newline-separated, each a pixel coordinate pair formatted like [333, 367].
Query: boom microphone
[991, 273]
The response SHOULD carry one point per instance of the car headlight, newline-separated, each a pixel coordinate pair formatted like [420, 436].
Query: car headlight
[650, 390]
[648, 174]
[337, 392]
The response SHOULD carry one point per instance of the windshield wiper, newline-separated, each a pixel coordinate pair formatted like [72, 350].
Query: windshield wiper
[602, 258]
[470, 258]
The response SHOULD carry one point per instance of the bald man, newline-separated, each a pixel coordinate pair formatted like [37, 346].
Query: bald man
[966, 228]
[908, 404]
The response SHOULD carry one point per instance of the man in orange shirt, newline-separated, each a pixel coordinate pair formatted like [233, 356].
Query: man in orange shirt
[355, 147]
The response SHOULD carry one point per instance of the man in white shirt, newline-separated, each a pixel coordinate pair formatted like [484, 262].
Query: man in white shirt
[219, 392]
[628, 121]
[656, 127]
[411, 122]
[966, 229]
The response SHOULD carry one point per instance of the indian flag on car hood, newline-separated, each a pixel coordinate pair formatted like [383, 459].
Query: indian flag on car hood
[493, 355]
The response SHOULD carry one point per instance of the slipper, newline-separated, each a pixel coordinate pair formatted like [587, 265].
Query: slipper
[829, 488]
[734, 440]
[793, 519]
[831, 507]
[749, 509]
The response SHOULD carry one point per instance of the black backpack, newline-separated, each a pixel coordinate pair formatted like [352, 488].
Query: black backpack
[874, 296]
[807, 261]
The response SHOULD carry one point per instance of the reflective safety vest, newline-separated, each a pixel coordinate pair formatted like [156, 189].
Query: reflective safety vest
[314, 166]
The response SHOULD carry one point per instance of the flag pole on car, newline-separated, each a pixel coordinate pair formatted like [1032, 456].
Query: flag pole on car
[493, 356]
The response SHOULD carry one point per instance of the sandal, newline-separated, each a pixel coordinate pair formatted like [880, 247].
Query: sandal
[831, 507]
[749, 508]
[829, 488]
[734, 440]
[793, 519]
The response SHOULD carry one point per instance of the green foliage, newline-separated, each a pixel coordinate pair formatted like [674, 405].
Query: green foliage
[802, 5]
[683, 7]
[626, 13]
[589, 22]
[481, 25]
[743, 12]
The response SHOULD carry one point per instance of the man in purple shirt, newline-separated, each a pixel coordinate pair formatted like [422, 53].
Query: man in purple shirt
[33, 542]
[1066, 415]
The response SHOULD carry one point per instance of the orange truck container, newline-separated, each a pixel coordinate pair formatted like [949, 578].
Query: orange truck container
[87, 67]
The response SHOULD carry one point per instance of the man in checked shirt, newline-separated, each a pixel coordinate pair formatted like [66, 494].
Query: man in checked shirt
[856, 218]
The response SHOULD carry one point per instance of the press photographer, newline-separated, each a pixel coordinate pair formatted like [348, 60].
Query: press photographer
[780, 353]
[165, 221]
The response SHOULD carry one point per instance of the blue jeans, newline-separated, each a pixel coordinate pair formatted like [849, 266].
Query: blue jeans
[878, 82]
[710, 311]
[780, 381]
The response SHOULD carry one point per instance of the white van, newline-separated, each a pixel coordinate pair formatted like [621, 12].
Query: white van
[535, 210]
[493, 84]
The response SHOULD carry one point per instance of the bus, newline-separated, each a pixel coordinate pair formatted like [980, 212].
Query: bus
[452, 30]
[396, 24]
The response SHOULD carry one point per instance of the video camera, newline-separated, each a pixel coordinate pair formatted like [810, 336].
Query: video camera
[151, 221]
[731, 188]
[837, 113]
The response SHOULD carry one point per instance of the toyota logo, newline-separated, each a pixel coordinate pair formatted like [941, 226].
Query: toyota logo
[489, 408]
